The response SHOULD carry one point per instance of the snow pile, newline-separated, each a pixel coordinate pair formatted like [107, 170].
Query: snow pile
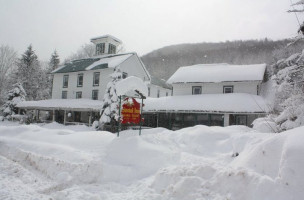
[193, 163]
[131, 84]
[210, 73]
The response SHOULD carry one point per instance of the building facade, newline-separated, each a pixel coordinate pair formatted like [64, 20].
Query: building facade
[210, 94]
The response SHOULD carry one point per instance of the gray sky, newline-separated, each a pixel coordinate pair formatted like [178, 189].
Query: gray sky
[143, 25]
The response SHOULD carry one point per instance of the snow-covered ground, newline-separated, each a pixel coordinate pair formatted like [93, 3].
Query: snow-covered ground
[74, 162]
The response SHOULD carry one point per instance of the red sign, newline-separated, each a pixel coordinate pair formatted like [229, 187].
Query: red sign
[130, 112]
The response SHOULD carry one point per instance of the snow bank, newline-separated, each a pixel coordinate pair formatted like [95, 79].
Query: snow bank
[199, 162]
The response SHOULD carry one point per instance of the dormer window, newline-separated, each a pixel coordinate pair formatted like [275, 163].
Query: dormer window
[112, 49]
[100, 48]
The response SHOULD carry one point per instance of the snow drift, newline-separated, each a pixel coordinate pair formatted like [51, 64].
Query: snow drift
[200, 162]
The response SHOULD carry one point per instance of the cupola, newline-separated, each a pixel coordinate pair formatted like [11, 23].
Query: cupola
[106, 44]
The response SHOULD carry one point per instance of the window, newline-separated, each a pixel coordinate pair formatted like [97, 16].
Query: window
[65, 81]
[149, 91]
[96, 79]
[196, 90]
[124, 75]
[112, 49]
[241, 120]
[100, 48]
[78, 95]
[228, 89]
[80, 80]
[158, 93]
[64, 95]
[258, 89]
[166, 94]
[95, 94]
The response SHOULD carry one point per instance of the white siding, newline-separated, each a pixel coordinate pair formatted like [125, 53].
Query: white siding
[87, 87]
[162, 91]
[216, 88]
[132, 66]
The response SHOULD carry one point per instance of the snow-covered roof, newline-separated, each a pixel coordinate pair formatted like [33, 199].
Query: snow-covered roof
[107, 36]
[63, 104]
[210, 73]
[160, 82]
[100, 62]
[129, 85]
[225, 103]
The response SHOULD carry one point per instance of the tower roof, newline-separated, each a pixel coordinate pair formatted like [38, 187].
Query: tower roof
[106, 36]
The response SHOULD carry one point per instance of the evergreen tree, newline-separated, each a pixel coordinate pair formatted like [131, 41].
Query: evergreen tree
[110, 109]
[54, 61]
[30, 75]
[53, 64]
[16, 95]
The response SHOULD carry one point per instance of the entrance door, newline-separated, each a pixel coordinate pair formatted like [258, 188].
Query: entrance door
[77, 116]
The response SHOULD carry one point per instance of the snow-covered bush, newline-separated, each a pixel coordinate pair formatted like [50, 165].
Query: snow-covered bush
[14, 96]
[265, 125]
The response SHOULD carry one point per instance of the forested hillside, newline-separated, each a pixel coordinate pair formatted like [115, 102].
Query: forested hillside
[165, 61]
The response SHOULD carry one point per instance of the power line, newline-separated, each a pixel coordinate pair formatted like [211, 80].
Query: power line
[296, 14]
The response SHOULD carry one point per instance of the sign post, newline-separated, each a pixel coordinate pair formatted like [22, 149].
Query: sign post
[119, 117]
[141, 108]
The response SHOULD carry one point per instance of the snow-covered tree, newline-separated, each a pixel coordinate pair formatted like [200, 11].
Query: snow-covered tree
[288, 74]
[14, 96]
[52, 65]
[110, 109]
[54, 61]
[7, 62]
[30, 74]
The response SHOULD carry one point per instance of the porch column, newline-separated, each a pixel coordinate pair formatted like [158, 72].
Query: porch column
[36, 115]
[64, 118]
[53, 115]
[90, 119]
[226, 119]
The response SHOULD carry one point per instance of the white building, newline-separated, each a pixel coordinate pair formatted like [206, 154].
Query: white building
[85, 80]
[210, 94]
[88, 78]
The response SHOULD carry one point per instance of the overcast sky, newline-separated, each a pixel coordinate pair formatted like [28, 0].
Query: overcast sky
[143, 25]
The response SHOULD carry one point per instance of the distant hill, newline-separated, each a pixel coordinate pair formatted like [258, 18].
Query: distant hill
[164, 62]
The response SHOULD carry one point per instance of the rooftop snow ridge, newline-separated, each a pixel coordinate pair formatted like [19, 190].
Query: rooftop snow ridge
[213, 73]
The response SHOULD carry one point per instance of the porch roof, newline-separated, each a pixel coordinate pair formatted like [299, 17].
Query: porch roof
[208, 103]
[62, 104]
